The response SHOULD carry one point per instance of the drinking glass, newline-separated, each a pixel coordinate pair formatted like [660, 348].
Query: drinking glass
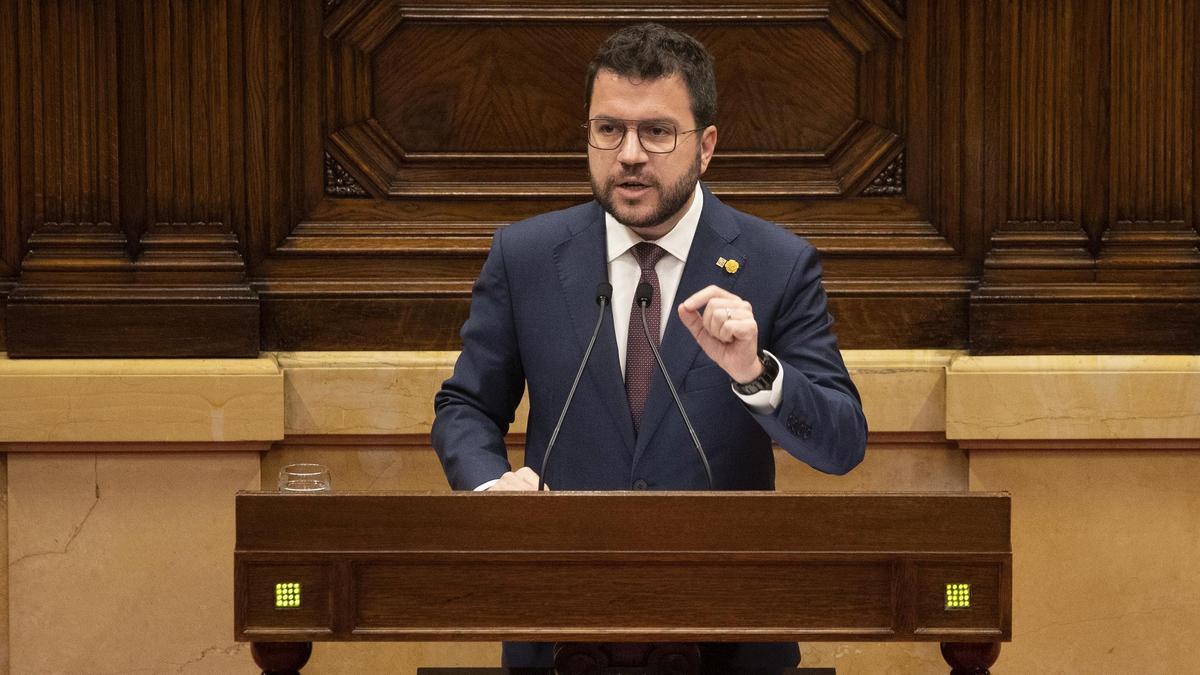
[304, 478]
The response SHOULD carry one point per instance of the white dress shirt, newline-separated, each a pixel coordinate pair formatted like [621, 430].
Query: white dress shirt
[624, 275]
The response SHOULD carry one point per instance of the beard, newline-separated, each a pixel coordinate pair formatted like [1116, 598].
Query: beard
[672, 198]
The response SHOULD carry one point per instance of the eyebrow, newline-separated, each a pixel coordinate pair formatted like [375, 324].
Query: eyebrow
[651, 120]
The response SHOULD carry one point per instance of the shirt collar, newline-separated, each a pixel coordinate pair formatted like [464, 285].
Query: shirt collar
[677, 242]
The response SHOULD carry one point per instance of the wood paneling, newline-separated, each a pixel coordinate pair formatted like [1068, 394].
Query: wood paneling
[129, 250]
[10, 153]
[1094, 248]
[1005, 175]
[814, 117]
[1151, 237]
[422, 157]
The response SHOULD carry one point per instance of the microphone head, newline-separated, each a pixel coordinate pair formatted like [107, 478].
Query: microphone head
[643, 294]
[603, 293]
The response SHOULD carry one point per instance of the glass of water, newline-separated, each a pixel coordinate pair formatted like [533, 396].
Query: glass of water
[304, 478]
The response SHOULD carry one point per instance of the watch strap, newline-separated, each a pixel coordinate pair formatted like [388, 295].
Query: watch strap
[765, 379]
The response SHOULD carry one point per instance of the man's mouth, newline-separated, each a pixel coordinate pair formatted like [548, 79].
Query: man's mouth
[632, 187]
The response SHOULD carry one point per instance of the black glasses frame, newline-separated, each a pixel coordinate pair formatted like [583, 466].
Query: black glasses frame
[638, 124]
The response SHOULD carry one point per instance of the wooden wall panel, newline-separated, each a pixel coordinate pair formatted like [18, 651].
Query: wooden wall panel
[1093, 245]
[10, 152]
[128, 246]
[1152, 169]
[58, 123]
[420, 156]
[183, 175]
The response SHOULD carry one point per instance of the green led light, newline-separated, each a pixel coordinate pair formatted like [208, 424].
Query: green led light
[287, 595]
[958, 596]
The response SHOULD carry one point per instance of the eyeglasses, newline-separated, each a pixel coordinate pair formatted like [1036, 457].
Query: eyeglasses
[656, 137]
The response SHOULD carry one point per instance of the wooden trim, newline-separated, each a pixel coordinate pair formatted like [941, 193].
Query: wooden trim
[168, 447]
[1059, 445]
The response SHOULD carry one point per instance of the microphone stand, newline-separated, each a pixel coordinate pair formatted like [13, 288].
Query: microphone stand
[644, 291]
[603, 297]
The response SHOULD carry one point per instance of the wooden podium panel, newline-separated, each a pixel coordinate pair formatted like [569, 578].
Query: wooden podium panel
[623, 567]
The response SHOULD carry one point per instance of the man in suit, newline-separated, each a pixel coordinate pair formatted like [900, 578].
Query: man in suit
[738, 309]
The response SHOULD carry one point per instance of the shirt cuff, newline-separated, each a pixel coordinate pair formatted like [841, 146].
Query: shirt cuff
[487, 485]
[766, 401]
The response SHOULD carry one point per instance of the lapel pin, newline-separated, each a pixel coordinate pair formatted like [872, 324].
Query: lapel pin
[730, 266]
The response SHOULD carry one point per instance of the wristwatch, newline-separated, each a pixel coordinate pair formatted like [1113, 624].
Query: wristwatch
[764, 381]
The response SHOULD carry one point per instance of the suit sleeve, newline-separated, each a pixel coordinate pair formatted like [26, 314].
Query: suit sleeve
[475, 407]
[819, 419]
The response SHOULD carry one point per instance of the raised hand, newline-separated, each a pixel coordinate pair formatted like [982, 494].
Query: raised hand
[724, 326]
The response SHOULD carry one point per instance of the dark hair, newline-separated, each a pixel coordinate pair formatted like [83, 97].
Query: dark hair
[651, 51]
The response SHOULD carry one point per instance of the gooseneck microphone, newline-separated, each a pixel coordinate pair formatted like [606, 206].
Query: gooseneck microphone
[603, 298]
[643, 295]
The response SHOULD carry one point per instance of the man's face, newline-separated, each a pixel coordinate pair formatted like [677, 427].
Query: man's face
[647, 192]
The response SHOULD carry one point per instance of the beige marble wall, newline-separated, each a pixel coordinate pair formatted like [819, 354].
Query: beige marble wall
[1073, 397]
[365, 393]
[902, 391]
[123, 563]
[375, 393]
[1106, 547]
[4, 655]
[382, 464]
[118, 502]
[152, 400]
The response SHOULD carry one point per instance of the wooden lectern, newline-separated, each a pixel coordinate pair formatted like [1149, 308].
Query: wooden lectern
[622, 567]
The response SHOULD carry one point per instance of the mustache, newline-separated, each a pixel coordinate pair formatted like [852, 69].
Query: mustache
[632, 178]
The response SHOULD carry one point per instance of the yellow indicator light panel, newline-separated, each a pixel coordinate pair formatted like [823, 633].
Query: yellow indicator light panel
[958, 596]
[287, 595]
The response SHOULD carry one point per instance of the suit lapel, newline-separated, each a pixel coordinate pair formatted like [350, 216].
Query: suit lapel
[714, 239]
[582, 264]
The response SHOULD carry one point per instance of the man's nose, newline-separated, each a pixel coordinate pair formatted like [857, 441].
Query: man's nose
[631, 150]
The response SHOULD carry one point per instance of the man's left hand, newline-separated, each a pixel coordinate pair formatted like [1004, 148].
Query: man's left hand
[724, 326]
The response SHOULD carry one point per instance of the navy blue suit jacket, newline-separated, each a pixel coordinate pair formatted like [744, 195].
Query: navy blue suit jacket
[533, 310]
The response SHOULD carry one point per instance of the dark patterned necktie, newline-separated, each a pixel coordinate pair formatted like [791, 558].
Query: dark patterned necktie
[639, 360]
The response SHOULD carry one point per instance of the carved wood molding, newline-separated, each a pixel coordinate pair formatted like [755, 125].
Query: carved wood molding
[582, 11]
[1148, 252]
[85, 292]
[339, 182]
[330, 6]
[1112, 318]
[890, 181]
[473, 239]
[895, 240]
[381, 136]
[57, 250]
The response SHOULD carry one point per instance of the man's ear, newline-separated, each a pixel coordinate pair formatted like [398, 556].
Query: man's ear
[708, 144]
